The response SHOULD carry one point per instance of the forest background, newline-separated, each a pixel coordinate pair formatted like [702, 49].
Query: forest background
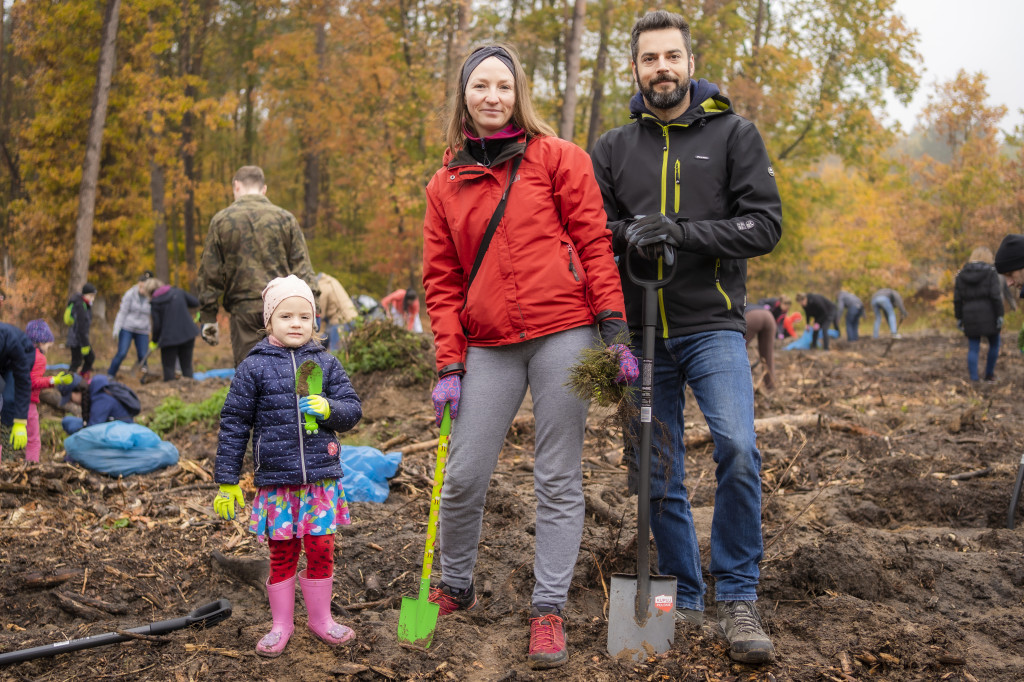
[122, 122]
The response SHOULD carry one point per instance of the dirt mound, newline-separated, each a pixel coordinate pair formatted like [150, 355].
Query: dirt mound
[886, 475]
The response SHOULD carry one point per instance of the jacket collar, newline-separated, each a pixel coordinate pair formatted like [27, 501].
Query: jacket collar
[463, 158]
[705, 101]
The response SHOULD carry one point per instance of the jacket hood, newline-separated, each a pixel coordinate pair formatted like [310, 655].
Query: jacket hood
[705, 98]
[976, 272]
[98, 383]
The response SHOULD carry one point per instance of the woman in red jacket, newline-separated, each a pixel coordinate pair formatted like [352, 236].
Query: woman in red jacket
[512, 310]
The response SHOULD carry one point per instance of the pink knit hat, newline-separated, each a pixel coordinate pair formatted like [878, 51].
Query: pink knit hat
[281, 288]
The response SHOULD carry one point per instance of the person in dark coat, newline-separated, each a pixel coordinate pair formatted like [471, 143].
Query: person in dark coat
[98, 405]
[174, 330]
[821, 314]
[17, 355]
[78, 317]
[761, 325]
[300, 500]
[978, 306]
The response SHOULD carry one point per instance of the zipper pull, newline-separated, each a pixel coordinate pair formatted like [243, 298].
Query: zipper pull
[572, 267]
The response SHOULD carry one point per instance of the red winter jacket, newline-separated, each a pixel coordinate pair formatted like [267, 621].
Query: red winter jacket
[549, 266]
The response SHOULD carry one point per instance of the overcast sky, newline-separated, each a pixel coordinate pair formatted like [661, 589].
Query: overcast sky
[977, 35]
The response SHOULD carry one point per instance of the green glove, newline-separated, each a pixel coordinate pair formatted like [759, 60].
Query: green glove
[62, 379]
[224, 503]
[153, 345]
[315, 405]
[19, 434]
[1020, 338]
[86, 350]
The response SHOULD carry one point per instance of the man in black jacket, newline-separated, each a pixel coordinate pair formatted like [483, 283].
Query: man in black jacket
[690, 181]
[821, 315]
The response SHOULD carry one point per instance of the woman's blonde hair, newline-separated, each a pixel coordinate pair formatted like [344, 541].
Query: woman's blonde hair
[523, 114]
[981, 254]
[147, 287]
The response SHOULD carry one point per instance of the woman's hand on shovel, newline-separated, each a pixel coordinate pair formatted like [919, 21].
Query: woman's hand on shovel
[224, 503]
[448, 390]
[629, 368]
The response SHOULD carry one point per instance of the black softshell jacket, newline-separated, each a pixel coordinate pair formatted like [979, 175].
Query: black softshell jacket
[978, 299]
[709, 171]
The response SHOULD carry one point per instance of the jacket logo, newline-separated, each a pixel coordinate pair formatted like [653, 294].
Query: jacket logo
[771, 171]
[742, 225]
[702, 157]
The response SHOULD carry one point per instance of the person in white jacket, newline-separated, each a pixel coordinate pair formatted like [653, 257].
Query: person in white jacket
[131, 324]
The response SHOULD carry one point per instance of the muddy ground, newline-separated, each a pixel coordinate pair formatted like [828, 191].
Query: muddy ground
[886, 479]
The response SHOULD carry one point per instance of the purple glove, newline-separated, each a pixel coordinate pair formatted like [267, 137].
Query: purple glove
[629, 369]
[447, 390]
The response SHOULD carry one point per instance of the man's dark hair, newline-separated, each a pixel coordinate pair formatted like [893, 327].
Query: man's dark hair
[657, 20]
[250, 176]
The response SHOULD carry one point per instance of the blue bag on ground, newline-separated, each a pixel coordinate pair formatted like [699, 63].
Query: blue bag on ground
[367, 471]
[119, 449]
[804, 342]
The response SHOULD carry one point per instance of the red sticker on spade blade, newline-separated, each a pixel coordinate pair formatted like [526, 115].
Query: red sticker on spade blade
[664, 602]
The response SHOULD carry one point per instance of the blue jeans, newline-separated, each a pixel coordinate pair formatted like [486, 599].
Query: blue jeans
[973, 350]
[882, 303]
[715, 366]
[124, 343]
[852, 322]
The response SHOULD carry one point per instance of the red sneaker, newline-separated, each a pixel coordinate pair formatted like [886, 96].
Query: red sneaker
[547, 639]
[451, 599]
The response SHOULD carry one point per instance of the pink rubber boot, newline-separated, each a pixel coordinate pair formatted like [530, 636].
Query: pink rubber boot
[317, 595]
[282, 609]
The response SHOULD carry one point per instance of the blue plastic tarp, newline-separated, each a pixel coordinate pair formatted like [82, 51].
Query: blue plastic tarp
[119, 449]
[804, 342]
[227, 373]
[367, 471]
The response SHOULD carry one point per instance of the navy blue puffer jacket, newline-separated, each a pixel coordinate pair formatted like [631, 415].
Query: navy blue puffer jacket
[262, 400]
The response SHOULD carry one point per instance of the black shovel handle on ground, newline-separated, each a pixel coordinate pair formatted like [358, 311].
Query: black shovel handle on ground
[204, 616]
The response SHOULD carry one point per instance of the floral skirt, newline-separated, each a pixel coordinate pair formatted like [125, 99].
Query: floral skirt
[292, 511]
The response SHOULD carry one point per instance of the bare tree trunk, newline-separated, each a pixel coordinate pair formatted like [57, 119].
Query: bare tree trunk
[192, 63]
[157, 184]
[93, 147]
[597, 82]
[311, 156]
[457, 45]
[572, 71]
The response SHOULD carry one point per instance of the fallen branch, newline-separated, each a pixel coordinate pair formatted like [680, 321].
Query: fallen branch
[970, 474]
[115, 609]
[52, 580]
[701, 435]
[360, 606]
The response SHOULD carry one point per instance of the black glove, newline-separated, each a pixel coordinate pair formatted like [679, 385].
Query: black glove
[650, 234]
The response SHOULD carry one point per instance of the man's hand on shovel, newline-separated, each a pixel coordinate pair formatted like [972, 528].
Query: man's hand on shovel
[224, 503]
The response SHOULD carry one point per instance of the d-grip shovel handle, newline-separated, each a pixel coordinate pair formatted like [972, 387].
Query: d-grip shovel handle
[650, 318]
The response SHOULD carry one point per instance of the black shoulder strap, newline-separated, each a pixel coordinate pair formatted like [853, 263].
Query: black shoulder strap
[495, 219]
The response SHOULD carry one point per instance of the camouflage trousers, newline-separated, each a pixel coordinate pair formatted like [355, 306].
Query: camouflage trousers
[247, 329]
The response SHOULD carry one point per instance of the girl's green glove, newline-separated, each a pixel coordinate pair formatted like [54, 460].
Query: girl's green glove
[224, 503]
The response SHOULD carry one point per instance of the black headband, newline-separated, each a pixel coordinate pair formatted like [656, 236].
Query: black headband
[481, 54]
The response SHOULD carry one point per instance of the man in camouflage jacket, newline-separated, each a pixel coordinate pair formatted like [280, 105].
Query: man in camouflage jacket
[250, 242]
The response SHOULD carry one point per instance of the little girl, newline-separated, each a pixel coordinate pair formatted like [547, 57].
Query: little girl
[300, 499]
[39, 333]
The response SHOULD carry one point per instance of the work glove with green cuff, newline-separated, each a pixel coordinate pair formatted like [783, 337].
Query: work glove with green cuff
[153, 345]
[19, 434]
[224, 503]
[86, 350]
[315, 405]
[1020, 338]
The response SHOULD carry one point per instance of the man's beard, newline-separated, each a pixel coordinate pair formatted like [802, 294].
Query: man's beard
[666, 100]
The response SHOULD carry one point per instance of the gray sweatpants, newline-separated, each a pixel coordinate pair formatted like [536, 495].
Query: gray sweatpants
[493, 388]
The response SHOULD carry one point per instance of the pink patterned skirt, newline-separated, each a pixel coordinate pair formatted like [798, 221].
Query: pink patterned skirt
[292, 511]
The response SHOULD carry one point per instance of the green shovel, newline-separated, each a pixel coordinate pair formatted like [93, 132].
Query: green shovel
[309, 380]
[418, 617]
